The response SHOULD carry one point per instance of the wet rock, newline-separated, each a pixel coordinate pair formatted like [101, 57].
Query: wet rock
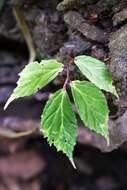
[78, 23]
[118, 7]
[71, 4]
[47, 27]
[118, 135]
[42, 24]
[17, 124]
[120, 17]
[105, 5]
[31, 4]
[83, 166]
[24, 165]
[106, 183]
[98, 52]
[8, 27]
[9, 75]
[7, 58]
[117, 128]
[76, 46]
[5, 92]
[11, 183]
[11, 146]
[118, 64]
[48, 32]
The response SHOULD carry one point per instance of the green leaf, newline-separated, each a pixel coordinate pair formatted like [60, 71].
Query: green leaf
[59, 124]
[97, 72]
[34, 77]
[92, 106]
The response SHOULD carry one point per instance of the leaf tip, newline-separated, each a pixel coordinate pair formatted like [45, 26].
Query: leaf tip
[8, 102]
[107, 140]
[106, 136]
[72, 83]
[73, 164]
[6, 105]
[116, 94]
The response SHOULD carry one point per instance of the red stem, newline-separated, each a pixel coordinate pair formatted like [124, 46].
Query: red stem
[67, 81]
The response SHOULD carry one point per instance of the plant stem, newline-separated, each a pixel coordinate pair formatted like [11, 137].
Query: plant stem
[67, 81]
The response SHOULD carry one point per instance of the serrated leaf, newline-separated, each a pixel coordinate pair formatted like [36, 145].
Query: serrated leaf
[34, 77]
[92, 106]
[58, 123]
[97, 72]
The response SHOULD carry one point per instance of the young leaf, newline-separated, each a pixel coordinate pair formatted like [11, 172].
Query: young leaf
[59, 124]
[34, 77]
[92, 106]
[97, 72]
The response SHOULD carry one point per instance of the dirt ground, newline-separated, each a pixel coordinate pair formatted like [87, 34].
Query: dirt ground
[58, 29]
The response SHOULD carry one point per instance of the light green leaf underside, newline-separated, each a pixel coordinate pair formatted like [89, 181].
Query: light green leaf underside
[59, 124]
[92, 106]
[34, 77]
[97, 72]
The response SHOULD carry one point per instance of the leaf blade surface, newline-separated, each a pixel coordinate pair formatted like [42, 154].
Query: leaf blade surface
[92, 106]
[59, 124]
[97, 72]
[34, 77]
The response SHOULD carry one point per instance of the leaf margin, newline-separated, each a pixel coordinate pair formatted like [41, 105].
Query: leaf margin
[23, 73]
[107, 117]
[79, 64]
[64, 92]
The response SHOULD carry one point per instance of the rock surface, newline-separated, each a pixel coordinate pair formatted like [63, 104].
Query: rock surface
[77, 22]
[118, 64]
